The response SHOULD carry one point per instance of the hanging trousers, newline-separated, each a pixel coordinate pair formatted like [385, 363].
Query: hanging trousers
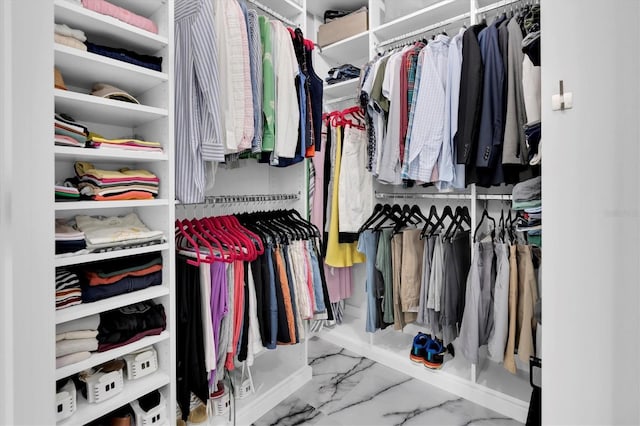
[191, 372]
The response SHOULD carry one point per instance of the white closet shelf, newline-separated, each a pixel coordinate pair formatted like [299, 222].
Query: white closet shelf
[94, 257]
[84, 69]
[422, 18]
[343, 51]
[133, 389]
[90, 205]
[98, 26]
[98, 358]
[287, 8]
[87, 309]
[391, 349]
[83, 107]
[107, 154]
[338, 90]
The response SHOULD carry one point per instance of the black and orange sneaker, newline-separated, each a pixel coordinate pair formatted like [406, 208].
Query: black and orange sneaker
[419, 347]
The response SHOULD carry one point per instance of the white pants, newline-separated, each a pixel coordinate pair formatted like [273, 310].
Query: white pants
[355, 186]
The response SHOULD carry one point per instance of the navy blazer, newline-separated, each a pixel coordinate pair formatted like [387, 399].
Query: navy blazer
[491, 131]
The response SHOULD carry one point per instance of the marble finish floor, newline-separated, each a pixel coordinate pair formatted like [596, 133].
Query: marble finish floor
[347, 389]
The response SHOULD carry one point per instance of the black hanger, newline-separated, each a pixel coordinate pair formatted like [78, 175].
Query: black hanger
[409, 213]
[446, 213]
[432, 219]
[462, 217]
[485, 214]
[394, 213]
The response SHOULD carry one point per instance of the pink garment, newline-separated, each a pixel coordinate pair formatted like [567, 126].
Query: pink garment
[249, 128]
[124, 15]
[338, 283]
[308, 276]
[317, 201]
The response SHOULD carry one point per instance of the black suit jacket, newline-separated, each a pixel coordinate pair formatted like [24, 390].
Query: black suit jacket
[470, 105]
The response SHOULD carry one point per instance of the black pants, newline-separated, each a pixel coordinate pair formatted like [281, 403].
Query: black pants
[191, 371]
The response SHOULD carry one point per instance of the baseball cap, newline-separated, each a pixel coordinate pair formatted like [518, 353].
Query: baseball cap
[104, 90]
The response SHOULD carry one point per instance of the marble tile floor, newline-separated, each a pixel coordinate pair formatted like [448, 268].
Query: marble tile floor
[347, 389]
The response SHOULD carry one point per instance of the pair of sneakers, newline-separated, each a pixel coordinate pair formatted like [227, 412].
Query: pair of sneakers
[427, 351]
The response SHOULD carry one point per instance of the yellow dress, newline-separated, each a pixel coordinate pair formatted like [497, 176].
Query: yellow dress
[345, 254]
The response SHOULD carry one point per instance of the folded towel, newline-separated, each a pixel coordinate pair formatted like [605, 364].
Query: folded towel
[86, 323]
[80, 334]
[66, 347]
[72, 358]
[69, 41]
[67, 31]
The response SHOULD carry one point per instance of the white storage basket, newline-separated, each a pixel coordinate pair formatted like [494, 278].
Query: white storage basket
[66, 401]
[156, 416]
[103, 386]
[141, 363]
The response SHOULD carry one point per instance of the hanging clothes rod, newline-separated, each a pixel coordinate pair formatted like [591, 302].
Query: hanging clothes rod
[445, 196]
[425, 29]
[273, 13]
[256, 198]
[497, 5]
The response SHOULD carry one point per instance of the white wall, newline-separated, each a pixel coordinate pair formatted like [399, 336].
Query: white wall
[591, 192]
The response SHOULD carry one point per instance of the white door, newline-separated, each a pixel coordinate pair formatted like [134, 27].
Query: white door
[591, 187]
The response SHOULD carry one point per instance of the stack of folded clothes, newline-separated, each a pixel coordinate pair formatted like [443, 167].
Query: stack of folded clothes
[123, 184]
[71, 37]
[105, 8]
[126, 143]
[68, 132]
[75, 340]
[527, 197]
[342, 73]
[119, 276]
[66, 192]
[116, 232]
[68, 291]
[129, 324]
[68, 238]
[128, 56]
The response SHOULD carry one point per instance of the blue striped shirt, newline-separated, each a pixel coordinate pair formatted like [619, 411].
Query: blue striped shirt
[198, 135]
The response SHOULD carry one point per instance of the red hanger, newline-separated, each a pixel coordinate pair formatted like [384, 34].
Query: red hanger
[206, 258]
[247, 244]
[254, 237]
[199, 225]
[229, 255]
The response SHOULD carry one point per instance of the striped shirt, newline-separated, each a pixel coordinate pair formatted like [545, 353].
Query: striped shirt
[255, 55]
[428, 132]
[198, 131]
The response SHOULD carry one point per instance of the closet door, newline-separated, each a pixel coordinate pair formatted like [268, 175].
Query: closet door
[591, 193]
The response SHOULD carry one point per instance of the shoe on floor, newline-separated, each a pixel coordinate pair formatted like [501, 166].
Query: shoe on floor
[434, 354]
[419, 348]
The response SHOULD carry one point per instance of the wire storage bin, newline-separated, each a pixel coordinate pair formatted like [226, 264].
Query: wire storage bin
[141, 363]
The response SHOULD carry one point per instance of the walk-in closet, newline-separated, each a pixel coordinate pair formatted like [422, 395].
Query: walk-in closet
[279, 212]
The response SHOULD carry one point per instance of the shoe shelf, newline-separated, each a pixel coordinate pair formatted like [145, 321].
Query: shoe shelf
[276, 375]
[391, 348]
[87, 309]
[133, 389]
[98, 358]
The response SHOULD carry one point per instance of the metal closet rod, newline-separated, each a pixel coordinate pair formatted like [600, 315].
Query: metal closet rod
[497, 5]
[425, 29]
[254, 198]
[273, 13]
[445, 196]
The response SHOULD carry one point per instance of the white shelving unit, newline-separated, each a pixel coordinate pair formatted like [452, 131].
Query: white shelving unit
[487, 384]
[86, 309]
[151, 120]
[95, 257]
